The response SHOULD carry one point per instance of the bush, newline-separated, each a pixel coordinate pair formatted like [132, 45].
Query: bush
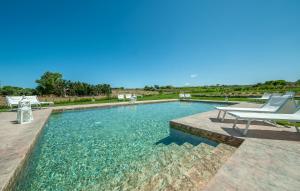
[16, 91]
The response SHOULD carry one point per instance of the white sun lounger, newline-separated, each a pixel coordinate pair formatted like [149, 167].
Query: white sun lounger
[128, 96]
[276, 94]
[35, 101]
[250, 116]
[291, 94]
[280, 104]
[14, 101]
[121, 97]
[265, 96]
[181, 96]
[187, 96]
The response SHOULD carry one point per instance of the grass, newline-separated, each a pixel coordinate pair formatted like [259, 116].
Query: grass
[159, 96]
[4, 109]
[287, 123]
[85, 101]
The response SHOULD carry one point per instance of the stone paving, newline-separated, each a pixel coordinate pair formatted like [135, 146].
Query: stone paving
[15, 143]
[267, 159]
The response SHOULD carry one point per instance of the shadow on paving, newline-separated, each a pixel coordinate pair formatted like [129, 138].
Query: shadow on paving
[265, 134]
[216, 120]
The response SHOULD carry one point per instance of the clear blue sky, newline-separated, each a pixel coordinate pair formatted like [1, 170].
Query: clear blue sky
[136, 43]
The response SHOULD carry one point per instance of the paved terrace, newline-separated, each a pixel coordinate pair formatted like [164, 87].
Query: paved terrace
[268, 158]
[17, 141]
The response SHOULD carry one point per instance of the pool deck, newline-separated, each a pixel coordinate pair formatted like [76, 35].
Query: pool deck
[267, 159]
[16, 142]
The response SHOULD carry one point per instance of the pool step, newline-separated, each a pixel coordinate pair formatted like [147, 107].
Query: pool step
[171, 153]
[151, 165]
[187, 145]
[174, 167]
[200, 173]
[167, 174]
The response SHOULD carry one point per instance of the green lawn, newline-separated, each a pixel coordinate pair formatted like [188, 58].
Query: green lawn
[84, 101]
[286, 123]
[4, 109]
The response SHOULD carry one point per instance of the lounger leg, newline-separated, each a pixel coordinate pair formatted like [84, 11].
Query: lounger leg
[219, 114]
[235, 122]
[224, 115]
[247, 127]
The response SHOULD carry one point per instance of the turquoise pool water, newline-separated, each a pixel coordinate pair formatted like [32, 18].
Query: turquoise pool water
[88, 149]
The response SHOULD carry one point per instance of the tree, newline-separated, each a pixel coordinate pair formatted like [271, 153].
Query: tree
[146, 88]
[11, 90]
[16, 91]
[106, 89]
[166, 87]
[276, 82]
[50, 83]
[149, 88]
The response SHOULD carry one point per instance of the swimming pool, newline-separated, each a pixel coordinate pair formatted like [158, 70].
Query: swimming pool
[98, 149]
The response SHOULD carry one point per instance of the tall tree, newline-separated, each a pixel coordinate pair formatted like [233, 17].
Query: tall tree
[50, 83]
